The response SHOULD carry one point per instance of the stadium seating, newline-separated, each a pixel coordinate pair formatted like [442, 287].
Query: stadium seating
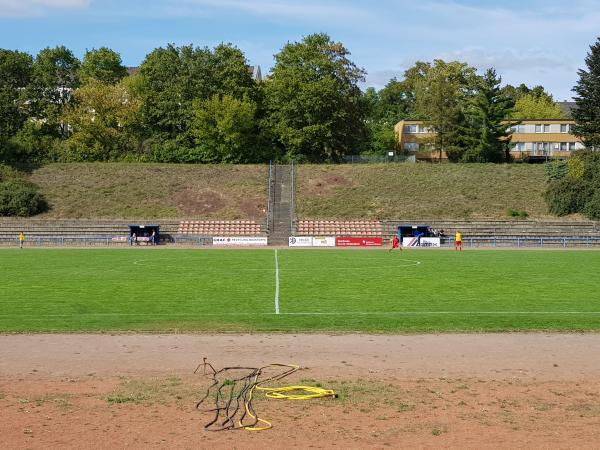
[219, 228]
[339, 228]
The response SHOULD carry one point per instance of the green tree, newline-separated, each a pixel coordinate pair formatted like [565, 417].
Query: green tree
[532, 106]
[103, 65]
[577, 190]
[316, 110]
[15, 74]
[442, 93]
[55, 76]
[172, 78]
[587, 112]
[515, 93]
[101, 117]
[224, 129]
[486, 129]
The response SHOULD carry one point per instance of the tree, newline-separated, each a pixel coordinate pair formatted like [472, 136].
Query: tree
[441, 94]
[172, 78]
[224, 129]
[100, 117]
[15, 74]
[576, 190]
[515, 93]
[532, 106]
[55, 76]
[315, 107]
[486, 112]
[103, 65]
[587, 112]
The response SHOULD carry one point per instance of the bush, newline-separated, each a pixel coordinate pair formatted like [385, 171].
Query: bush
[556, 170]
[567, 196]
[592, 206]
[516, 213]
[20, 198]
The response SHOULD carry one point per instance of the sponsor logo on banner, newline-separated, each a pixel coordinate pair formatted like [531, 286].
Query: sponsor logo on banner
[358, 241]
[238, 240]
[323, 241]
[300, 241]
[423, 242]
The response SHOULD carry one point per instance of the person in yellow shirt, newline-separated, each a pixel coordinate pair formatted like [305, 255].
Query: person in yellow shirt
[21, 239]
[458, 241]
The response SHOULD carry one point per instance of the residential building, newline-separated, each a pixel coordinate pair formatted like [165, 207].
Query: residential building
[539, 139]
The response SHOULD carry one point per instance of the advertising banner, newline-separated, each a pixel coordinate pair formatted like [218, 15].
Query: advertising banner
[423, 242]
[239, 240]
[300, 241]
[358, 241]
[323, 241]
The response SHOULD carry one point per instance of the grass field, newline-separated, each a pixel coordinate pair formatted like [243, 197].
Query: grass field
[335, 290]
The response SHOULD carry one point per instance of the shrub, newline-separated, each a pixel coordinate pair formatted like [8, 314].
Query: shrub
[516, 213]
[20, 198]
[567, 196]
[555, 170]
[592, 206]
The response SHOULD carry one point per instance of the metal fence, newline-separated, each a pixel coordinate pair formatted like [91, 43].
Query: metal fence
[100, 241]
[292, 196]
[270, 198]
[528, 241]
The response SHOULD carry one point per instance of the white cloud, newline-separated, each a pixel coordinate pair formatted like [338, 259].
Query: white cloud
[317, 11]
[24, 8]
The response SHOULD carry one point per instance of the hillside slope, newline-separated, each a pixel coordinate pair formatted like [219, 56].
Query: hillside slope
[132, 190]
[423, 191]
[381, 191]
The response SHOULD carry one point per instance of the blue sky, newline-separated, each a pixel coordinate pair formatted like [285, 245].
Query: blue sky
[530, 41]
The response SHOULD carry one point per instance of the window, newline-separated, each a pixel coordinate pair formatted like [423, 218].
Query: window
[517, 129]
[571, 146]
[564, 146]
[564, 128]
[410, 129]
[518, 147]
[538, 128]
[546, 128]
[411, 146]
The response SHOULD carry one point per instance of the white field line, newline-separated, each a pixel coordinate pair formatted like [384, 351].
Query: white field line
[349, 313]
[276, 284]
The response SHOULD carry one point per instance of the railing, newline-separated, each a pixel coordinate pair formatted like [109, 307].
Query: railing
[528, 241]
[270, 198]
[292, 198]
[98, 241]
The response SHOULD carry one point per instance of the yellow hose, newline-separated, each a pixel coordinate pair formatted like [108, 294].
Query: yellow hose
[283, 393]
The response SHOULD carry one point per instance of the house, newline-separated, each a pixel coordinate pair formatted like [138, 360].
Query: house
[534, 139]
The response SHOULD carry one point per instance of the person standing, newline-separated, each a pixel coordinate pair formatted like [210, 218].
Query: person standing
[153, 238]
[395, 244]
[458, 241]
[21, 239]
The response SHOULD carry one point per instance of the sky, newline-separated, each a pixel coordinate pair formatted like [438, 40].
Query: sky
[526, 41]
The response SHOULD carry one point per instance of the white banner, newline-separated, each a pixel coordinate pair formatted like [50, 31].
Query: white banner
[422, 242]
[238, 240]
[300, 241]
[323, 241]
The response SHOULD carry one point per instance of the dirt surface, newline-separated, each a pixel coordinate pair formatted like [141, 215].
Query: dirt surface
[417, 391]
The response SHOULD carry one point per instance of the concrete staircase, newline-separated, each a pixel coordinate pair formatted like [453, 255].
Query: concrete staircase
[281, 228]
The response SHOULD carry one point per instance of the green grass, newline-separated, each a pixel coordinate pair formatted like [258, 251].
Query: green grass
[378, 191]
[329, 290]
[128, 190]
[423, 191]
